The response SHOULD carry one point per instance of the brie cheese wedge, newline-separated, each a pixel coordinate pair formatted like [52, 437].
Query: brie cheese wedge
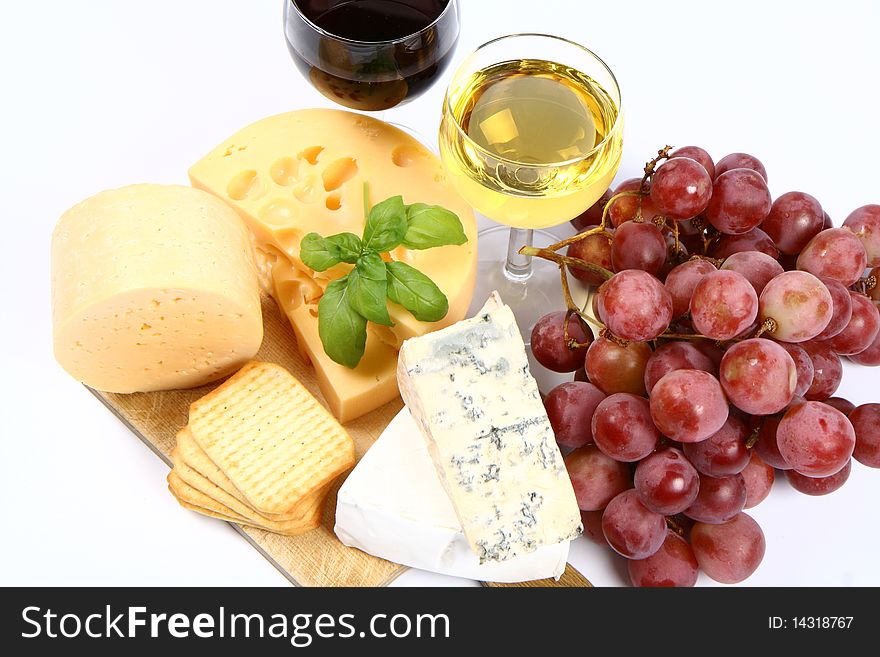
[393, 506]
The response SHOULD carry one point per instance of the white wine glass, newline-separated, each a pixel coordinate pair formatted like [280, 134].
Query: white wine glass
[531, 136]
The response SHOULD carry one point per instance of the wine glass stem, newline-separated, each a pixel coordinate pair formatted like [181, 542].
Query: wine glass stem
[518, 268]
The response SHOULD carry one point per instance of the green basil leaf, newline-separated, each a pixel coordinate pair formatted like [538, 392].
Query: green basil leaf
[343, 331]
[349, 246]
[386, 225]
[416, 292]
[432, 225]
[317, 253]
[367, 289]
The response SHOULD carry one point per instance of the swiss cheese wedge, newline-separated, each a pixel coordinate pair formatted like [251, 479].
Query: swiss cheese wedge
[304, 171]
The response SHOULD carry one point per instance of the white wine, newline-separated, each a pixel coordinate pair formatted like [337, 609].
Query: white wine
[530, 143]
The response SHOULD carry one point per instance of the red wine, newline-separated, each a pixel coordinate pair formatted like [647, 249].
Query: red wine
[371, 54]
[372, 20]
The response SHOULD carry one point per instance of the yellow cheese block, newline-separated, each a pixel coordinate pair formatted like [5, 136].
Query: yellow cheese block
[153, 287]
[304, 171]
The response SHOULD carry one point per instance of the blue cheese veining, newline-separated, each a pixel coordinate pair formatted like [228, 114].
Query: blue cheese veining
[470, 391]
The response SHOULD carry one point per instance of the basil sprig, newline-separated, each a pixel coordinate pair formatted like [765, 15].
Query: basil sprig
[362, 295]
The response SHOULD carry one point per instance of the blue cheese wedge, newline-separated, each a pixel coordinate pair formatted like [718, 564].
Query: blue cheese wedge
[393, 506]
[469, 390]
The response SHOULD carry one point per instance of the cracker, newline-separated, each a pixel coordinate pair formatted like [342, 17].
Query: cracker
[196, 500]
[190, 453]
[270, 437]
[193, 463]
[202, 484]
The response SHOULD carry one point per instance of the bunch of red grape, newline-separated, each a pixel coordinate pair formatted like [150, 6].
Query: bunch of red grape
[723, 317]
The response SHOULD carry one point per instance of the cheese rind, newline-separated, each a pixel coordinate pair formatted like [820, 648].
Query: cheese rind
[470, 391]
[406, 517]
[153, 287]
[305, 171]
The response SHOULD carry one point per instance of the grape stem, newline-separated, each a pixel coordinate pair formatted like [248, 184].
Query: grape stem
[752, 439]
[865, 285]
[662, 154]
[684, 336]
[608, 335]
[572, 309]
[715, 261]
[769, 325]
[674, 525]
[561, 260]
[597, 230]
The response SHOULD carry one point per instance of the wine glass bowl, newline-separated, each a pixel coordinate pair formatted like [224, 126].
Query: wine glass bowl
[530, 136]
[531, 132]
[371, 55]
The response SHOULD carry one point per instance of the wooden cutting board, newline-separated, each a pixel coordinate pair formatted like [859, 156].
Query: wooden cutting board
[316, 558]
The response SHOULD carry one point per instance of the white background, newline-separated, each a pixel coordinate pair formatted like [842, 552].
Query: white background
[102, 94]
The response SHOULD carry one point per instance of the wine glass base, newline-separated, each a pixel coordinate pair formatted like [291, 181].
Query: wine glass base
[531, 298]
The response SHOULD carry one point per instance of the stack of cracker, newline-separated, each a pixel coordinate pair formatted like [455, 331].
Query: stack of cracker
[261, 451]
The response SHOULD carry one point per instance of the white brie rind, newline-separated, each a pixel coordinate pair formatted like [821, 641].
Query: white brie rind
[393, 506]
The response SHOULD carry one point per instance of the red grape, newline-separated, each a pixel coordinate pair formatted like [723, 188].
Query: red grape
[595, 249]
[626, 208]
[681, 281]
[818, 485]
[740, 161]
[827, 370]
[845, 406]
[688, 405]
[799, 303]
[723, 453]
[841, 302]
[634, 305]
[666, 482]
[638, 245]
[866, 423]
[724, 304]
[740, 202]
[623, 429]
[758, 376]
[767, 447]
[681, 188]
[729, 552]
[865, 223]
[816, 439]
[674, 564]
[615, 368]
[631, 529]
[698, 154]
[676, 356]
[753, 240]
[795, 218]
[804, 366]
[592, 216]
[550, 347]
[592, 522]
[870, 356]
[719, 499]
[596, 478]
[570, 407]
[862, 329]
[834, 253]
[758, 268]
[759, 478]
